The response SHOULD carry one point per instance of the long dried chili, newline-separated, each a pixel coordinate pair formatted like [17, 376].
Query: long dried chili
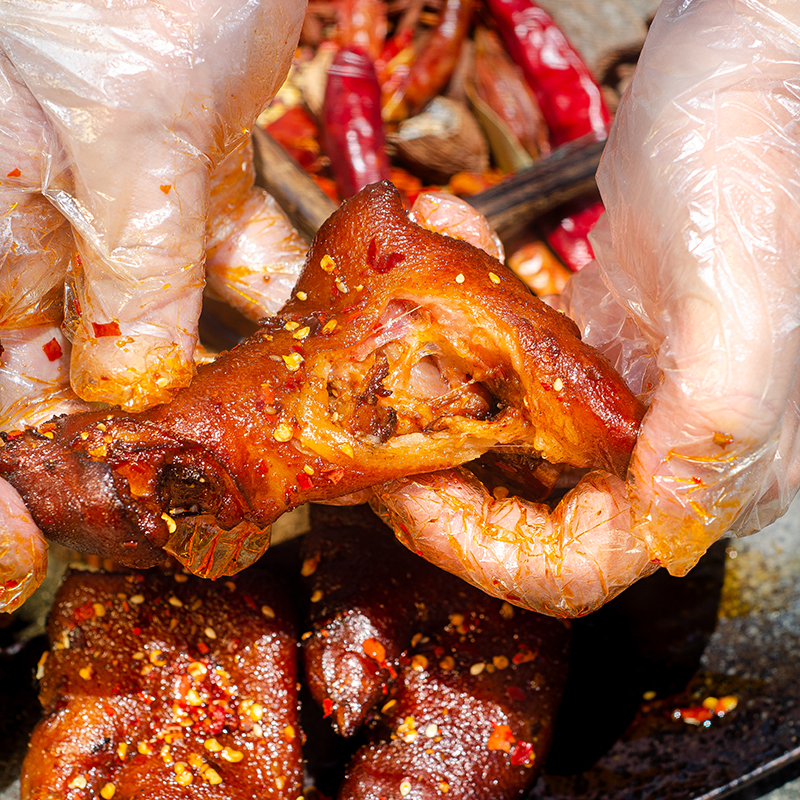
[432, 69]
[568, 94]
[571, 102]
[353, 134]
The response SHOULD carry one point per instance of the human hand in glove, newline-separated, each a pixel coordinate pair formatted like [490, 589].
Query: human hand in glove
[113, 118]
[696, 291]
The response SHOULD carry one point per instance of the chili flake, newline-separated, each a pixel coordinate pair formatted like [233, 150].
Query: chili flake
[282, 433]
[346, 449]
[524, 655]
[327, 707]
[419, 663]
[301, 296]
[302, 333]
[102, 329]
[231, 755]
[171, 524]
[329, 326]
[407, 730]
[501, 738]
[375, 650]
[212, 776]
[522, 755]
[292, 361]
[52, 350]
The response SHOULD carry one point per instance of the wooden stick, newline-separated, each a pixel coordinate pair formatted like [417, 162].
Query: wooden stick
[509, 206]
[306, 205]
[513, 204]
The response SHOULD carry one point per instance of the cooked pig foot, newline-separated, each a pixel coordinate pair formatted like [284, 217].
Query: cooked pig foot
[165, 686]
[461, 688]
[402, 351]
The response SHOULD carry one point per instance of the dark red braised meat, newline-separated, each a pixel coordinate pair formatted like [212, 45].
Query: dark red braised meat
[458, 690]
[167, 686]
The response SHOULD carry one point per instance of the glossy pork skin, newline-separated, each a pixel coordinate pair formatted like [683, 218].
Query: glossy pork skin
[458, 690]
[165, 686]
[401, 351]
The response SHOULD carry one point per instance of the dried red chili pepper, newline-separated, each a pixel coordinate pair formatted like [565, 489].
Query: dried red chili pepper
[353, 135]
[569, 96]
[362, 23]
[568, 232]
[570, 100]
[501, 85]
[432, 69]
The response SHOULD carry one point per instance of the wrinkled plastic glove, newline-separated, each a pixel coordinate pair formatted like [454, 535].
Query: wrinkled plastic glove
[117, 112]
[696, 291]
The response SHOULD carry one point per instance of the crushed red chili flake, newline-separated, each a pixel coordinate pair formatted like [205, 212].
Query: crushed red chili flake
[522, 754]
[137, 631]
[106, 329]
[83, 612]
[694, 716]
[327, 707]
[15, 173]
[501, 738]
[304, 482]
[335, 475]
[524, 655]
[202, 647]
[375, 650]
[52, 350]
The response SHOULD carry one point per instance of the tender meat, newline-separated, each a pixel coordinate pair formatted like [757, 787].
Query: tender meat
[160, 686]
[459, 689]
[401, 351]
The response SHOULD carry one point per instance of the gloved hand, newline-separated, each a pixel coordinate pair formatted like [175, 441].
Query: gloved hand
[113, 117]
[696, 291]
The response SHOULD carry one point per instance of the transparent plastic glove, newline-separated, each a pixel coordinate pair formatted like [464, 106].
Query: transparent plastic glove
[130, 106]
[701, 182]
